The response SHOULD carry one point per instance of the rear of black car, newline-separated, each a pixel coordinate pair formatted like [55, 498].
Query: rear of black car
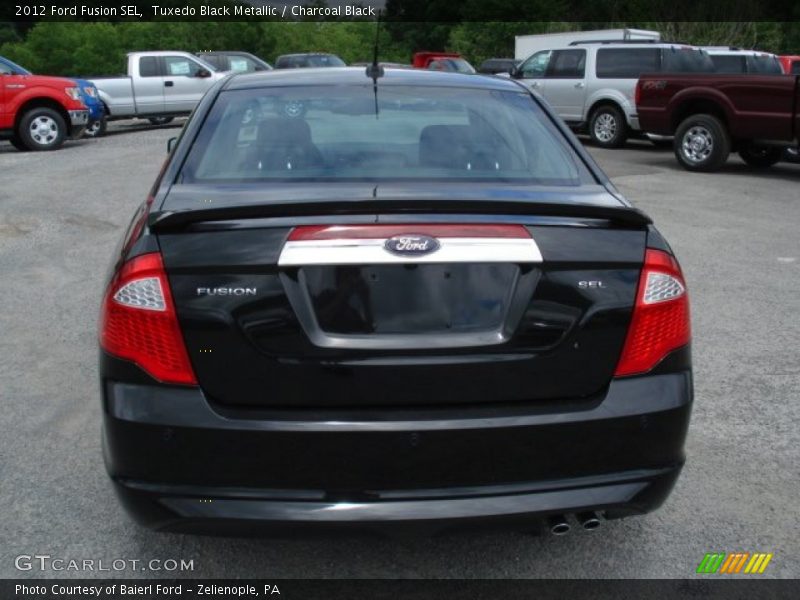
[417, 303]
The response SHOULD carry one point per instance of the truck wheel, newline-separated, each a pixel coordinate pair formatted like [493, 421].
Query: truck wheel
[42, 129]
[702, 143]
[96, 129]
[760, 156]
[160, 120]
[607, 127]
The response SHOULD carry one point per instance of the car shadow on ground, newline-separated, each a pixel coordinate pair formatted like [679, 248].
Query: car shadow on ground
[136, 126]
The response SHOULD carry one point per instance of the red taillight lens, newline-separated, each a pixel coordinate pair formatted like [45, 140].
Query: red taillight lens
[139, 323]
[660, 322]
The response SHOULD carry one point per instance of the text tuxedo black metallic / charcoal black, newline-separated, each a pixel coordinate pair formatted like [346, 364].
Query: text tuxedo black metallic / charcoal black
[414, 302]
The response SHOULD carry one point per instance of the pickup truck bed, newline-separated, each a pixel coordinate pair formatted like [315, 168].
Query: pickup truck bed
[712, 115]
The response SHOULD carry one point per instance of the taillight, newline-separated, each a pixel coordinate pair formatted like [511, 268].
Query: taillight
[637, 95]
[660, 321]
[139, 322]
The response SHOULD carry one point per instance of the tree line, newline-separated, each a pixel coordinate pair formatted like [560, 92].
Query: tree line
[99, 48]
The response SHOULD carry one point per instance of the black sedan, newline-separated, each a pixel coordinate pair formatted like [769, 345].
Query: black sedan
[416, 303]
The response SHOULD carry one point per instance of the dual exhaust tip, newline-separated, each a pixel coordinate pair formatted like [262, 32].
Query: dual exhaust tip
[559, 525]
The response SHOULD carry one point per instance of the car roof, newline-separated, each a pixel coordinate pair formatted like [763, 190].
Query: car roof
[357, 76]
[620, 45]
[306, 54]
[224, 52]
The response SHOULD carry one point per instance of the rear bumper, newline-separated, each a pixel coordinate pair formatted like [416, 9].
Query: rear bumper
[180, 464]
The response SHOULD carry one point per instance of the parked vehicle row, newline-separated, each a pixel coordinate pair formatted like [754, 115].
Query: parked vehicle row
[591, 85]
[711, 100]
[590, 81]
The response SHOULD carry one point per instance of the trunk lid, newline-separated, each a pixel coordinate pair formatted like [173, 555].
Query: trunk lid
[355, 308]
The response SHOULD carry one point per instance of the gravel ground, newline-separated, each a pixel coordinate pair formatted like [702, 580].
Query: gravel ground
[735, 232]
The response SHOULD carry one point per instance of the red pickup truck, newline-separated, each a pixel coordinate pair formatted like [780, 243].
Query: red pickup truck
[39, 112]
[441, 61]
[712, 115]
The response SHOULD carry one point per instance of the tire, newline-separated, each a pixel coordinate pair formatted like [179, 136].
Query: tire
[760, 157]
[607, 127]
[17, 143]
[702, 143]
[96, 129]
[160, 120]
[42, 129]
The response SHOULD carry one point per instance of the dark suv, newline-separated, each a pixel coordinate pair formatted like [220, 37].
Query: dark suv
[420, 305]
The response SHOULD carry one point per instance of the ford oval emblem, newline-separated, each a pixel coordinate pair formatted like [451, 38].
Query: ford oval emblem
[411, 244]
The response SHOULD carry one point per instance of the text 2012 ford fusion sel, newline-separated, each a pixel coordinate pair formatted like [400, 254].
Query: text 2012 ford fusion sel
[411, 300]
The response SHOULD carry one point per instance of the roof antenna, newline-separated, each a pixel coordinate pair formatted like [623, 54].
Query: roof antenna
[375, 70]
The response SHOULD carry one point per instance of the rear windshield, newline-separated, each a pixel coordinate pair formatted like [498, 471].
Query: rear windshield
[394, 133]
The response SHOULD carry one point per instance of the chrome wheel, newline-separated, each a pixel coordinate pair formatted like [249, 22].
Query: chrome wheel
[697, 144]
[605, 127]
[43, 130]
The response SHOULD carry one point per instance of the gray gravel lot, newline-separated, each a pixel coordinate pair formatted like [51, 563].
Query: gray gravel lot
[735, 232]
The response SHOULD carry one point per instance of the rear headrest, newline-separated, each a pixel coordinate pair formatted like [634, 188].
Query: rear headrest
[444, 145]
[278, 131]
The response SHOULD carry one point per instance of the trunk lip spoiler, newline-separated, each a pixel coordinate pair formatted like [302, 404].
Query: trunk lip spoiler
[176, 219]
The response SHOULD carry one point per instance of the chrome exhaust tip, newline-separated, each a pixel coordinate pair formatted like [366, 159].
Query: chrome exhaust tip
[558, 525]
[589, 520]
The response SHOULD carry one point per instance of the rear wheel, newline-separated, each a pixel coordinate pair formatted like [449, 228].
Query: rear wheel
[702, 143]
[42, 129]
[607, 127]
[160, 120]
[760, 156]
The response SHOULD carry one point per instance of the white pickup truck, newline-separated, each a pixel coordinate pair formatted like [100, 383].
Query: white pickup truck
[159, 86]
